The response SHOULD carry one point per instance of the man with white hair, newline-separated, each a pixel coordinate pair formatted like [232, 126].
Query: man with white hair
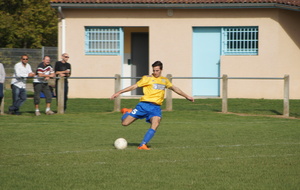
[63, 69]
[44, 72]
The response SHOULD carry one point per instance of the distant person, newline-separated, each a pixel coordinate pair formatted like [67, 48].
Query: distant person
[44, 72]
[2, 80]
[149, 107]
[63, 69]
[22, 70]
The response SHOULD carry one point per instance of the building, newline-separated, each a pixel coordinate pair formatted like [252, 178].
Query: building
[193, 38]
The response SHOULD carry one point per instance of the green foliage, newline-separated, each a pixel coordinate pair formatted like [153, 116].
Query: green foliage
[27, 24]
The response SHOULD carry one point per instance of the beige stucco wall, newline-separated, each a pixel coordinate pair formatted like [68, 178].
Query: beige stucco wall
[170, 40]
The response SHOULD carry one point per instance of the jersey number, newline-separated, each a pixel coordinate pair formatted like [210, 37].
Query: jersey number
[134, 111]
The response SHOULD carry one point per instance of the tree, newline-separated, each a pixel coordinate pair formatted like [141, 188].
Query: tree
[27, 24]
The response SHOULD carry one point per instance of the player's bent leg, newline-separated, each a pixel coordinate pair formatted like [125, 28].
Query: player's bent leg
[155, 121]
[128, 120]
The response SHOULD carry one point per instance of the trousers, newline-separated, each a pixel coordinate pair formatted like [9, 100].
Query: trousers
[42, 87]
[19, 97]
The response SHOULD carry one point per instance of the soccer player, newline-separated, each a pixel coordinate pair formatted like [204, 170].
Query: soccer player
[149, 107]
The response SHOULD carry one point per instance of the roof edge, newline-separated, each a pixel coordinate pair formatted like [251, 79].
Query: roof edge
[288, 7]
[165, 6]
[173, 6]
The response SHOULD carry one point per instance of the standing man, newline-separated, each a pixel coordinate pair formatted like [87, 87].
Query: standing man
[149, 107]
[44, 72]
[2, 80]
[22, 70]
[63, 69]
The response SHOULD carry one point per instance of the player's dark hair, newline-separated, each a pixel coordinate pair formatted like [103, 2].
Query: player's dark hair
[158, 63]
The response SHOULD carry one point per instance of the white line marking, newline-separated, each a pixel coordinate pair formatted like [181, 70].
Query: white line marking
[178, 161]
[182, 147]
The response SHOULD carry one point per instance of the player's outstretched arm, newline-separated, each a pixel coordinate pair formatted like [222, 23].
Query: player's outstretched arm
[129, 88]
[181, 93]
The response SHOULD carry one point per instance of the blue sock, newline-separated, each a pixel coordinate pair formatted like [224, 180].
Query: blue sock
[124, 116]
[148, 136]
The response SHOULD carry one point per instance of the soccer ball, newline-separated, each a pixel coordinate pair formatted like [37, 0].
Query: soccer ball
[120, 143]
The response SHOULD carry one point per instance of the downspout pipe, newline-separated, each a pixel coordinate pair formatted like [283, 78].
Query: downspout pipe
[63, 30]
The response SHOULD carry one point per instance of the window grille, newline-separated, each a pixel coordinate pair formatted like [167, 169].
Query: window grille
[240, 40]
[103, 40]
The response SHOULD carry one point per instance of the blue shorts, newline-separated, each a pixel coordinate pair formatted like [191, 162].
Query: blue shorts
[146, 110]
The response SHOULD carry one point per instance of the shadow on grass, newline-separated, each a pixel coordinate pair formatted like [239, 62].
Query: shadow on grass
[276, 112]
[133, 144]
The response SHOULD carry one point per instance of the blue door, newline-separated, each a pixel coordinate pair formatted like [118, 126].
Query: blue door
[206, 61]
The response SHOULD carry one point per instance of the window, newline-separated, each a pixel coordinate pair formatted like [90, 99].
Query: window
[103, 40]
[240, 40]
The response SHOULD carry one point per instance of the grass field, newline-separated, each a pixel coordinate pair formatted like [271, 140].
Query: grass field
[196, 147]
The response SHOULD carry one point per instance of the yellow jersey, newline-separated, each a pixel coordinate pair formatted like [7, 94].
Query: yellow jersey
[154, 88]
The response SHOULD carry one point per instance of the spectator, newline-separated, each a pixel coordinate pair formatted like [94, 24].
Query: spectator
[22, 70]
[2, 79]
[44, 72]
[63, 69]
